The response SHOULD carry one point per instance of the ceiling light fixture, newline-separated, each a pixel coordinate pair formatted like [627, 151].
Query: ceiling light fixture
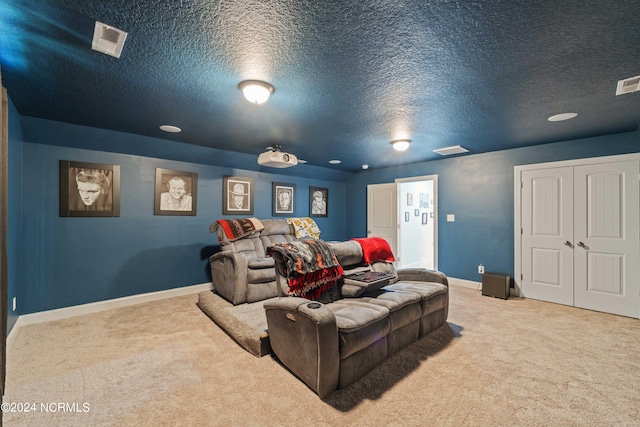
[561, 117]
[256, 91]
[335, 162]
[401, 144]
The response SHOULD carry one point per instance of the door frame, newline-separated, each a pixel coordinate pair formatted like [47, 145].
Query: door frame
[433, 178]
[517, 204]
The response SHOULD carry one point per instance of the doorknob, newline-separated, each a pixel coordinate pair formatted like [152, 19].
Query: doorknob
[368, 231]
[568, 243]
[582, 245]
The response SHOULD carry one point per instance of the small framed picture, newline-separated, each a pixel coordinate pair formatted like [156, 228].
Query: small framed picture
[424, 218]
[283, 199]
[424, 200]
[406, 217]
[416, 212]
[237, 195]
[318, 201]
[89, 189]
[176, 192]
[409, 199]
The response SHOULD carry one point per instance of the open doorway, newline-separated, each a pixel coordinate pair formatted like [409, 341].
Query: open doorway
[417, 218]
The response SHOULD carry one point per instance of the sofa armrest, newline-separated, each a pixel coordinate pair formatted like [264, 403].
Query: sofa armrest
[229, 275]
[422, 275]
[304, 336]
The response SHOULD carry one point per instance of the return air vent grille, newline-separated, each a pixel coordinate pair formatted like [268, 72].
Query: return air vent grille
[629, 85]
[108, 40]
[454, 149]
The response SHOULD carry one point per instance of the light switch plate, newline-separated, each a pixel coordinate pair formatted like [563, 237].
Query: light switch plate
[451, 218]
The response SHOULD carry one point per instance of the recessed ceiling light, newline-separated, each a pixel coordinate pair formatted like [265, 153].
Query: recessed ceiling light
[302, 161]
[365, 167]
[170, 129]
[454, 149]
[401, 144]
[561, 117]
[335, 162]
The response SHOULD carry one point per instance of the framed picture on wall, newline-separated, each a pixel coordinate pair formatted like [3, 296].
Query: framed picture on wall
[416, 212]
[89, 189]
[409, 199]
[176, 193]
[237, 196]
[283, 199]
[406, 217]
[424, 218]
[318, 202]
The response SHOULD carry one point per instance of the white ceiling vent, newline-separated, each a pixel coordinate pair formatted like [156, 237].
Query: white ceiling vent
[107, 39]
[454, 149]
[629, 85]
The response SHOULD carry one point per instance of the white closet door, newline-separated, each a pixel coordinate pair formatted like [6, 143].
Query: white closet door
[547, 235]
[607, 238]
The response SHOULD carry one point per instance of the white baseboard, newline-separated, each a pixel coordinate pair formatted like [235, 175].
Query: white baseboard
[464, 283]
[95, 307]
[13, 333]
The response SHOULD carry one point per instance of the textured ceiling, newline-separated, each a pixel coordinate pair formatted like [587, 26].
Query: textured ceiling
[350, 76]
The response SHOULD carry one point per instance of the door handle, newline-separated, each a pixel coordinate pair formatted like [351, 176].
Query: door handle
[582, 245]
[568, 243]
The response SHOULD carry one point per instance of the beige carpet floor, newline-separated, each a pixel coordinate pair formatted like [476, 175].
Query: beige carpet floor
[505, 363]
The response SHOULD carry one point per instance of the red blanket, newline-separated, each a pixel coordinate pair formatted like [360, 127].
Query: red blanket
[235, 229]
[375, 249]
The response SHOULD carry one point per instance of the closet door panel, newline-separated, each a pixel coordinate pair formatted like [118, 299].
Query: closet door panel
[547, 235]
[607, 234]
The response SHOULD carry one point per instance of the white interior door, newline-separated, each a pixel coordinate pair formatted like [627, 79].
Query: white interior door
[607, 238]
[382, 213]
[547, 235]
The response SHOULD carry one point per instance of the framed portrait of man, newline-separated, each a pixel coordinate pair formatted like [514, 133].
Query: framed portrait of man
[318, 202]
[89, 189]
[176, 193]
[237, 195]
[283, 199]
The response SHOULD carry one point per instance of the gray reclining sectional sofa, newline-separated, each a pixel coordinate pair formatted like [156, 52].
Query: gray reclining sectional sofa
[331, 345]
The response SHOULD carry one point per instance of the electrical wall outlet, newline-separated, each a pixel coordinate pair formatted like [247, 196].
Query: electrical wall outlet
[481, 269]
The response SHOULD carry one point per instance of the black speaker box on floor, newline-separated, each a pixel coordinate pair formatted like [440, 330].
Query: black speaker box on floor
[496, 285]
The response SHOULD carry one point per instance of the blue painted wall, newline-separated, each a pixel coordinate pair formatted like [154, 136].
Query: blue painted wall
[478, 189]
[70, 261]
[14, 211]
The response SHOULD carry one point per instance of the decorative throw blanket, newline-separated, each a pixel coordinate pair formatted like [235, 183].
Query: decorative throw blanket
[375, 249]
[235, 229]
[310, 266]
[304, 227]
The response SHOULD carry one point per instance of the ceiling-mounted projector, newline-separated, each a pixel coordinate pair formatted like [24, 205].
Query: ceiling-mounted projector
[274, 158]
